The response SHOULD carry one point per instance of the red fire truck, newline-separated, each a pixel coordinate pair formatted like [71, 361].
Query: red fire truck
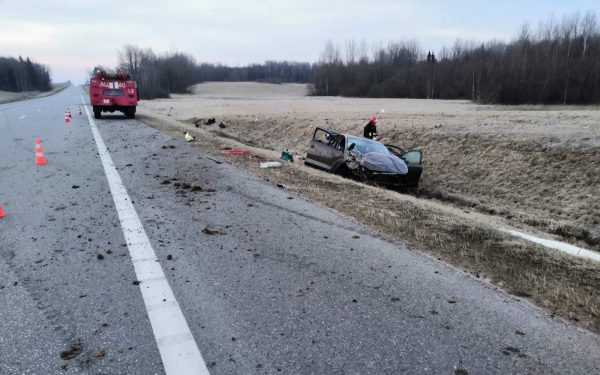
[111, 92]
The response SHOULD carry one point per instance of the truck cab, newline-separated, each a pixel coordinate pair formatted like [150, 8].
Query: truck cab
[111, 92]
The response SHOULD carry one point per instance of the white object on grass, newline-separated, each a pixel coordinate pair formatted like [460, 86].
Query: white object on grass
[270, 164]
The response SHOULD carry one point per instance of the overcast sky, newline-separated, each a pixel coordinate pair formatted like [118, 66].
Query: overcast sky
[73, 36]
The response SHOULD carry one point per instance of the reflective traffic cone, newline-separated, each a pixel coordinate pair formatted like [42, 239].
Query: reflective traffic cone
[40, 159]
[38, 142]
[67, 118]
[1, 211]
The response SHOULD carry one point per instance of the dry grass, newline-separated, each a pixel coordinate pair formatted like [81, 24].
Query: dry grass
[566, 286]
[8, 97]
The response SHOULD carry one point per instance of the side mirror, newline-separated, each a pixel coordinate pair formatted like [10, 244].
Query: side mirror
[351, 147]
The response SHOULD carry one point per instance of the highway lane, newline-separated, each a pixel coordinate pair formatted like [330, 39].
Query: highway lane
[281, 286]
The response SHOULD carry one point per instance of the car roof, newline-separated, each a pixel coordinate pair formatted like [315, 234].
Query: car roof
[359, 137]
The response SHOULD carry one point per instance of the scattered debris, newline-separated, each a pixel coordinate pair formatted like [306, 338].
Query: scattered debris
[188, 137]
[169, 257]
[211, 232]
[98, 353]
[99, 256]
[136, 282]
[355, 237]
[215, 160]
[287, 156]
[72, 351]
[280, 186]
[520, 333]
[270, 164]
[75, 186]
[235, 151]
[222, 125]
[510, 350]
[210, 121]
[196, 188]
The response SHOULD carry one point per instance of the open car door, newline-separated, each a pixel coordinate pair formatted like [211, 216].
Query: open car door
[413, 159]
[322, 150]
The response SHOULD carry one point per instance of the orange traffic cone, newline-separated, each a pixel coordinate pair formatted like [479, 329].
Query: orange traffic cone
[40, 159]
[1, 211]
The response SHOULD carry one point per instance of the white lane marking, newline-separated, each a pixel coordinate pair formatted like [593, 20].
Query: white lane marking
[556, 245]
[178, 350]
[22, 117]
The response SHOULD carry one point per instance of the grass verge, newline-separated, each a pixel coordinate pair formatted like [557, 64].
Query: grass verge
[9, 97]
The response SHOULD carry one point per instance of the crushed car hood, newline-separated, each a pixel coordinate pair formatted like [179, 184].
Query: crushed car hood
[377, 162]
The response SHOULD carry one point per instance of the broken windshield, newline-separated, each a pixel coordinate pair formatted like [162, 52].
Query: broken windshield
[364, 146]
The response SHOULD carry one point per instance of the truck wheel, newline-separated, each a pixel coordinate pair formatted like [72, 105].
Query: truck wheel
[129, 112]
[97, 113]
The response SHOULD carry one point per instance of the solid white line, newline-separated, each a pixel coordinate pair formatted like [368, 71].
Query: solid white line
[178, 350]
[556, 245]
[22, 117]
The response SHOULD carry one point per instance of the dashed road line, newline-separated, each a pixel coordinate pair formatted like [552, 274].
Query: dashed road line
[176, 344]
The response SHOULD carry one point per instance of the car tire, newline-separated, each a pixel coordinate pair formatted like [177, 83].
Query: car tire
[341, 169]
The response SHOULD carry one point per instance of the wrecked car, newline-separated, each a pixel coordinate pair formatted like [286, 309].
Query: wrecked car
[364, 160]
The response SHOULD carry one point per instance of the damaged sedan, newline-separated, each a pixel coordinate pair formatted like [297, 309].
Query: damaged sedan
[364, 160]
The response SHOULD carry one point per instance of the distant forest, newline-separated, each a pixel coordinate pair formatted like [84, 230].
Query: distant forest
[18, 75]
[558, 63]
[158, 76]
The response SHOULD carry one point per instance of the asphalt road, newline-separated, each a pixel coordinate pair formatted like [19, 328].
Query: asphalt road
[277, 285]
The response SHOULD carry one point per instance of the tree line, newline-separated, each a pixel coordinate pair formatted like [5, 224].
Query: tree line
[559, 63]
[20, 74]
[159, 75]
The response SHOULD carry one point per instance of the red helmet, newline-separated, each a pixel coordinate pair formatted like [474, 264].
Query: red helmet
[373, 119]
